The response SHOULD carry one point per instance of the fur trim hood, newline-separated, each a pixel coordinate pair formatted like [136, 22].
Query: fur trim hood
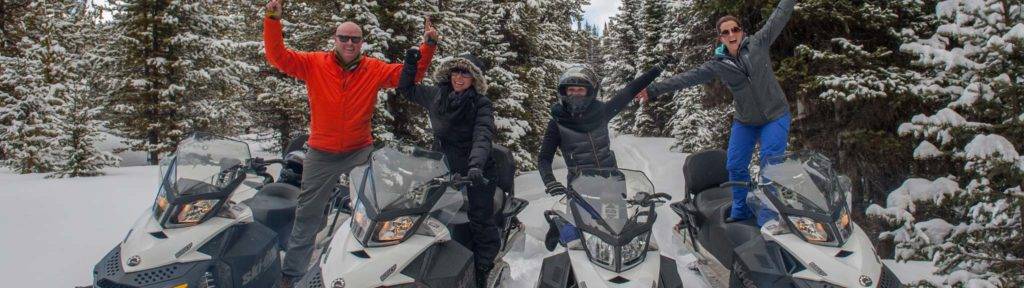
[465, 62]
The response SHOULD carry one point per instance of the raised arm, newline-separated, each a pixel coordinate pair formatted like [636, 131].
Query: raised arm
[295, 64]
[627, 94]
[547, 152]
[420, 94]
[393, 71]
[700, 75]
[773, 27]
[483, 133]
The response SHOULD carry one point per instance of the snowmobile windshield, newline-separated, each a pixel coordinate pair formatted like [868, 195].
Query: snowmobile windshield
[396, 191]
[400, 178]
[605, 195]
[804, 181]
[202, 172]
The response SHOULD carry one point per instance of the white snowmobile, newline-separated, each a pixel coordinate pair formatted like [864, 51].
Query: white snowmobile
[405, 203]
[811, 243]
[603, 226]
[214, 222]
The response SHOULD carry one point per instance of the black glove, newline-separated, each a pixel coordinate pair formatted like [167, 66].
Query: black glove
[669, 60]
[554, 188]
[412, 55]
[476, 175]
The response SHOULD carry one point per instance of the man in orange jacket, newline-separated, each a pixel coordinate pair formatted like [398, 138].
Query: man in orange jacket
[342, 86]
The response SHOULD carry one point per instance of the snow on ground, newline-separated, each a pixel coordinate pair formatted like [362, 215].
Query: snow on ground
[55, 230]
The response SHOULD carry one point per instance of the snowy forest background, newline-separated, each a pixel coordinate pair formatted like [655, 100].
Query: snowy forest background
[921, 102]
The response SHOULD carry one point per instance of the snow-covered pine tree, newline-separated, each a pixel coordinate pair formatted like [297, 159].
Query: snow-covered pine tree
[850, 83]
[404, 21]
[76, 153]
[205, 60]
[621, 42]
[171, 72]
[41, 75]
[700, 120]
[970, 228]
[507, 49]
[652, 118]
[275, 103]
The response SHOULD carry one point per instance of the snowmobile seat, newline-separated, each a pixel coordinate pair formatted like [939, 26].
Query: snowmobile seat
[709, 201]
[274, 207]
[735, 234]
[705, 170]
[505, 171]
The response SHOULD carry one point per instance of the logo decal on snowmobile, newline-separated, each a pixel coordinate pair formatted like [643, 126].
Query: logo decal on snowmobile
[134, 261]
[268, 258]
[183, 250]
[388, 272]
[865, 281]
[338, 283]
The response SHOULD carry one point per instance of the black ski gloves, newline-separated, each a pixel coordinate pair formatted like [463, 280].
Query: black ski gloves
[476, 175]
[554, 188]
[412, 56]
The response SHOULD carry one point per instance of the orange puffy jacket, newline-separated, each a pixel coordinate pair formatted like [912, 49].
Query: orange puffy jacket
[341, 102]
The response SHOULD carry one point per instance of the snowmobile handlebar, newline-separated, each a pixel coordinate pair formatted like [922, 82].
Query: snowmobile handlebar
[458, 181]
[258, 166]
[729, 184]
[645, 199]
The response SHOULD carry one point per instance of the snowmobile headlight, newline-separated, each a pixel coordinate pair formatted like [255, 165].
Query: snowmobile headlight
[812, 230]
[360, 222]
[633, 252]
[845, 229]
[193, 213]
[394, 230]
[600, 252]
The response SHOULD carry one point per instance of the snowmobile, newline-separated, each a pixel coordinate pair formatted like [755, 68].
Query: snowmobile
[811, 241]
[219, 219]
[604, 227]
[406, 203]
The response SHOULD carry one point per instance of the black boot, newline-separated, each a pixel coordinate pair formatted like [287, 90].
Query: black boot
[481, 276]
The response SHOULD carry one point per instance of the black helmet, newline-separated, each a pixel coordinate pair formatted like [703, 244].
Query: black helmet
[580, 76]
[291, 172]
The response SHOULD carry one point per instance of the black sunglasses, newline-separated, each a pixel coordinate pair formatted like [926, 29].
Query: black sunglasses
[734, 30]
[353, 39]
[462, 73]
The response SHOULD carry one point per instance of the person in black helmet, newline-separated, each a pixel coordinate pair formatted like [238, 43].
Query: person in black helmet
[579, 123]
[462, 118]
[579, 128]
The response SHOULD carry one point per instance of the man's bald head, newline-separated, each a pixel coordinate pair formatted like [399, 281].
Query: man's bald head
[352, 45]
[349, 29]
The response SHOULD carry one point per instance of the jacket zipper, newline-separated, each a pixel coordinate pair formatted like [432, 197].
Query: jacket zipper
[760, 107]
[594, 147]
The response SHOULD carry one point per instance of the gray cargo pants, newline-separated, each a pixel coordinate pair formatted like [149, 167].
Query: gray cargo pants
[320, 174]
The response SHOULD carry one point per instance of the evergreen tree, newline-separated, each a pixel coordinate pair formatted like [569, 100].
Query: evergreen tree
[652, 118]
[968, 223]
[701, 116]
[41, 77]
[172, 70]
[621, 43]
[76, 152]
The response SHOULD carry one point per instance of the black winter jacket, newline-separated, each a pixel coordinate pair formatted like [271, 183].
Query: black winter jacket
[463, 123]
[583, 137]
